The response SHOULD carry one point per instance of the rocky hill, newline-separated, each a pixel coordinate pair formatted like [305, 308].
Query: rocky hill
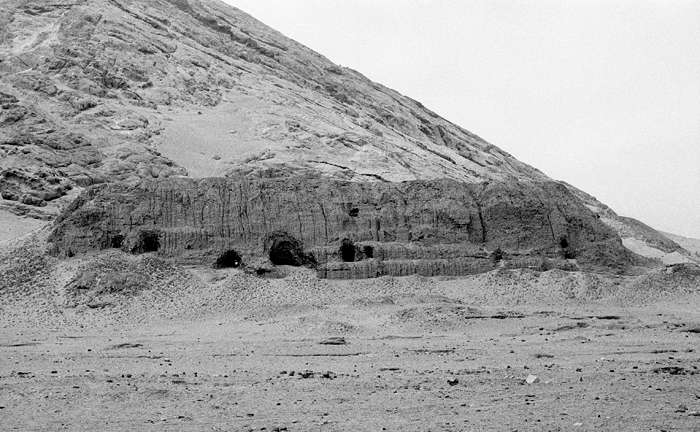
[109, 99]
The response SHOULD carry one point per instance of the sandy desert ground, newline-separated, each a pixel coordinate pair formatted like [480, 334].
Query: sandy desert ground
[205, 349]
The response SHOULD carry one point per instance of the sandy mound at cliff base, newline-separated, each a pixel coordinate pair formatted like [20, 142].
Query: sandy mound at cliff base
[426, 361]
[204, 349]
[116, 287]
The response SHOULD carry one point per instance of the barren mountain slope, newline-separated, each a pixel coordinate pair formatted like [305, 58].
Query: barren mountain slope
[100, 91]
[90, 88]
[691, 245]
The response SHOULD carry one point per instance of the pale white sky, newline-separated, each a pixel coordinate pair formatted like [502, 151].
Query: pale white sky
[604, 95]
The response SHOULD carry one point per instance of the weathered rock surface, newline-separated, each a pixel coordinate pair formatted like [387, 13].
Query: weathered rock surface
[345, 229]
[83, 83]
[133, 91]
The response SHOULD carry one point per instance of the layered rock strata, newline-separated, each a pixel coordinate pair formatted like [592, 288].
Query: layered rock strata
[344, 229]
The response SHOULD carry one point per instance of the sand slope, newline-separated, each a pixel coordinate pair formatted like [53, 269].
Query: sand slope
[222, 350]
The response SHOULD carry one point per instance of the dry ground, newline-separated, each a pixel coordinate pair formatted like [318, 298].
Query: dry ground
[222, 350]
[12, 227]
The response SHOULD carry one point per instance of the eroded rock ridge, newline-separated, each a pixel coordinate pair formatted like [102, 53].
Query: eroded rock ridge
[344, 229]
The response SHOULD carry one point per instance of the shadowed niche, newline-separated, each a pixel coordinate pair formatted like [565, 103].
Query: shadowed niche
[228, 259]
[347, 250]
[148, 241]
[567, 252]
[117, 241]
[286, 250]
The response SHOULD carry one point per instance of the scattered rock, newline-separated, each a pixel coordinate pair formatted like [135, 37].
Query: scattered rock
[333, 341]
[532, 379]
[544, 356]
[329, 375]
[672, 370]
[124, 345]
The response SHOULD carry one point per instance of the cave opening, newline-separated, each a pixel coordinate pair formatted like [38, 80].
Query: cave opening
[369, 251]
[117, 241]
[347, 250]
[228, 259]
[286, 250]
[284, 253]
[566, 251]
[354, 212]
[497, 255]
[148, 241]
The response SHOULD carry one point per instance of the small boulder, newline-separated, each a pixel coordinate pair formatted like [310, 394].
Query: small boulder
[532, 379]
[333, 341]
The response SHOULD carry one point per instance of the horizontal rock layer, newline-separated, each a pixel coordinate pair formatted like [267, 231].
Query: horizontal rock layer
[344, 229]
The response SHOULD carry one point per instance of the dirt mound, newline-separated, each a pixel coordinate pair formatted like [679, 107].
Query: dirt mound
[672, 283]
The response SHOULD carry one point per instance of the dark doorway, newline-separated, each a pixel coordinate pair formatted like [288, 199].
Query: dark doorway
[286, 250]
[148, 241]
[228, 259]
[347, 250]
[116, 241]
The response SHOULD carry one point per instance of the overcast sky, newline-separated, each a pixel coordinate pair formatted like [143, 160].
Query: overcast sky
[604, 95]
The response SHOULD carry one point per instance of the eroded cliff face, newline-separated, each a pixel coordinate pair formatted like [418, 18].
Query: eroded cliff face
[344, 229]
